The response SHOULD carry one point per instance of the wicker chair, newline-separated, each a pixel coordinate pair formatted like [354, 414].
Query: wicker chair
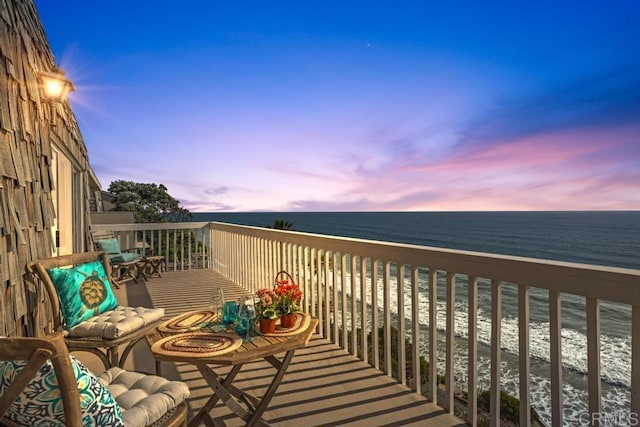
[102, 333]
[37, 373]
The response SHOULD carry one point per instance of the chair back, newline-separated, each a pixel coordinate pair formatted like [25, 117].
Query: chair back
[102, 234]
[98, 238]
[98, 235]
[36, 351]
[39, 269]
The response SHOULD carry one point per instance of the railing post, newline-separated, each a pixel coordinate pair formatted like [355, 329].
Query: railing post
[523, 354]
[315, 293]
[415, 330]
[555, 325]
[353, 309]
[363, 309]
[306, 261]
[325, 331]
[336, 331]
[433, 335]
[635, 362]
[343, 305]
[387, 319]
[450, 343]
[496, 320]
[374, 314]
[472, 343]
[402, 351]
[593, 355]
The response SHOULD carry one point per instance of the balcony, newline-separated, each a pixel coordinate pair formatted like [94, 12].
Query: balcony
[324, 385]
[371, 378]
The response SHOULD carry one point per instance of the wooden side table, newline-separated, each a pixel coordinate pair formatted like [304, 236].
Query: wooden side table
[192, 347]
[125, 271]
[151, 266]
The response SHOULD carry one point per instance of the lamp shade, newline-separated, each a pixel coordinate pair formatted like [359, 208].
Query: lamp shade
[54, 85]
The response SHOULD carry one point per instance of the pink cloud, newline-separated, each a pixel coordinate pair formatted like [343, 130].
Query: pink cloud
[570, 170]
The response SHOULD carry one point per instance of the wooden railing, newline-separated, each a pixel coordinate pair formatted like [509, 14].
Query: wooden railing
[185, 245]
[352, 285]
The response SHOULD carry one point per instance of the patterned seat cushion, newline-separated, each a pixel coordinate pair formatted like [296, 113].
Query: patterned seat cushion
[124, 257]
[144, 399]
[112, 248]
[84, 291]
[116, 323]
[40, 403]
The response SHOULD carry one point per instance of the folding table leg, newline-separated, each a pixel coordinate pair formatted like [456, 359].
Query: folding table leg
[212, 380]
[225, 391]
[266, 399]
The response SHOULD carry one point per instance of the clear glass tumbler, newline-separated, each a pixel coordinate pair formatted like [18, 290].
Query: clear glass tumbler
[216, 303]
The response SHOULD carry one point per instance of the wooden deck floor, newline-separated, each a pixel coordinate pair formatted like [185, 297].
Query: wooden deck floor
[324, 386]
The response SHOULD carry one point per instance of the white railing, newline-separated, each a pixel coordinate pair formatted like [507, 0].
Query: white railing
[353, 284]
[185, 245]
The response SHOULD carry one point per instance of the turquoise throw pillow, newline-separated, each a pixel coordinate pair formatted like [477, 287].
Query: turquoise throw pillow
[84, 291]
[40, 402]
[110, 246]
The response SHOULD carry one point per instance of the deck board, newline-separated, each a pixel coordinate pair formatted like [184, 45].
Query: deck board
[324, 385]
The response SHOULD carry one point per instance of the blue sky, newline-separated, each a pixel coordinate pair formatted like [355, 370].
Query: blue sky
[348, 106]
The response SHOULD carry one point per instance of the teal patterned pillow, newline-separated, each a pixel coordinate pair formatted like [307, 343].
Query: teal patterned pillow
[84, 291]
[40, 402]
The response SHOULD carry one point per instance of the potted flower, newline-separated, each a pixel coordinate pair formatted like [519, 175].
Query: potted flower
[289, 296]
[267, 310]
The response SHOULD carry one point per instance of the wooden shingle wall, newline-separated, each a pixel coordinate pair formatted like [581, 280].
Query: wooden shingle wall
[26, 137]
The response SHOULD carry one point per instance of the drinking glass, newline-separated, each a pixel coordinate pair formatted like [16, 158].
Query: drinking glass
[246, 313]
[216, 302]
[229, 312]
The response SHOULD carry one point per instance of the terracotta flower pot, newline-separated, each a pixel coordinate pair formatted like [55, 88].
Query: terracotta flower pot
[267, 326]
[288, 320]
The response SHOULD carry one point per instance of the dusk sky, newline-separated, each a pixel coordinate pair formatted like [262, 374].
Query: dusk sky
[359, 106]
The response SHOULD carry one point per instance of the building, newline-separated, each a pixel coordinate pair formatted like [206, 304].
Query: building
[47, 185]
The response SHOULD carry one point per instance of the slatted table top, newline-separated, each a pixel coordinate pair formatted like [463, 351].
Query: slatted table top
[163, 344]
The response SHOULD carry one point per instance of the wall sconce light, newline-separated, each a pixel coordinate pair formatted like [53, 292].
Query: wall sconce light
[55, 87]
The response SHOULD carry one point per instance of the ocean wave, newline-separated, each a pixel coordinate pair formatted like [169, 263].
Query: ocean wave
[615, 352]
[615, 356]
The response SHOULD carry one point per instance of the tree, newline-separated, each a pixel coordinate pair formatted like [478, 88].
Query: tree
[148, 202]
[281, 224]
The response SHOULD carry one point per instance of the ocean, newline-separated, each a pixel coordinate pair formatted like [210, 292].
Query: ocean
[608, 238]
